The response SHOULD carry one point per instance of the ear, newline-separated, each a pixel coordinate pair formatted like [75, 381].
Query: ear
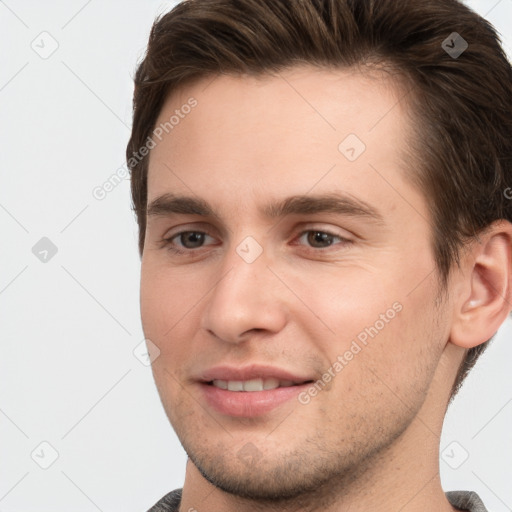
[484, 297]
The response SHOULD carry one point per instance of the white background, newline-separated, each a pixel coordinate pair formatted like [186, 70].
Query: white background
[69, 326]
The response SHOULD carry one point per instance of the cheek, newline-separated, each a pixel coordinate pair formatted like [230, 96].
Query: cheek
[342, 302]
[404, 355]
[167, 303]
[168, 317]
[372, 316]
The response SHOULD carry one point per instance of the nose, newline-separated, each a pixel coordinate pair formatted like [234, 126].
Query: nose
[248, 298]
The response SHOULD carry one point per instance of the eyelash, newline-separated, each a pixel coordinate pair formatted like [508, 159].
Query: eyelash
[168, 242]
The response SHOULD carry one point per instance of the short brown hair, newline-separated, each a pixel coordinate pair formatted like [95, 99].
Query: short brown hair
[461, 104]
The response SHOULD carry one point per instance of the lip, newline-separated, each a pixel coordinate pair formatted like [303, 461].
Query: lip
[248, 404]
[253, 371]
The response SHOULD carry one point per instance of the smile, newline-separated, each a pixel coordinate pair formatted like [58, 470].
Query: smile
[253, 384]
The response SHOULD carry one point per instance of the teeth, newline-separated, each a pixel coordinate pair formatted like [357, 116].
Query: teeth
[222, 384]
[235, 385]
[252, 385]
[271, 383]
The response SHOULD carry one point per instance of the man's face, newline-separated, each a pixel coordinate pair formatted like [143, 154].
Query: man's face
[344, 298]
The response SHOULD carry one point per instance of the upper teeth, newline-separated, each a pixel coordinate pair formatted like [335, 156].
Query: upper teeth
[252, 385]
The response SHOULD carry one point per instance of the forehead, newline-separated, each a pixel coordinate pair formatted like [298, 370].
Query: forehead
[287, 133]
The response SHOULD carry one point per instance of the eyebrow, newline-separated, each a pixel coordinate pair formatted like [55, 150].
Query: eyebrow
[337, 203]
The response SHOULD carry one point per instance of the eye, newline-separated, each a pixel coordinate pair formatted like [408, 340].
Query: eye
[191, 239]
[319, 239]
[186, 241]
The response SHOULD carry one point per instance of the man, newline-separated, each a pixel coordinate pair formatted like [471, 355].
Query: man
[320, 187]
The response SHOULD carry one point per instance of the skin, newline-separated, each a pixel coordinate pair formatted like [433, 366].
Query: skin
[370, 439]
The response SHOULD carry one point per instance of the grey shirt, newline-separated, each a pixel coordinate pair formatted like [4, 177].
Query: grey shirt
[462, 500]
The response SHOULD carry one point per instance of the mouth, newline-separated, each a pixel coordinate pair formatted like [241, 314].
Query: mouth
[251, 398]
[254, 385]
[251, 390]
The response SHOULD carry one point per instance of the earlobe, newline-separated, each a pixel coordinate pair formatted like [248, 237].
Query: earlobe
[487, 298]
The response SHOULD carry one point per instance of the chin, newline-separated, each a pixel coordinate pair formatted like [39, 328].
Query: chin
[255, 482]
[294, 477]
